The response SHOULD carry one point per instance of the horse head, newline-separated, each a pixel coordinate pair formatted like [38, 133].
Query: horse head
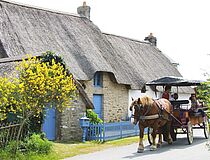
[136, 104]
[141, 105]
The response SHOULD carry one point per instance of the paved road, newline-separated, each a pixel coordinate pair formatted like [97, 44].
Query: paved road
[179, 150]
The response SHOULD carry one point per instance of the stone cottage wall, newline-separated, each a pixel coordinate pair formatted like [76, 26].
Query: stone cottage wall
[115, 98]
[115, 108]
[70, 129]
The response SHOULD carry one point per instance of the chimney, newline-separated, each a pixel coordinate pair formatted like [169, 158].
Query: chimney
[84, 10]
[151, 39]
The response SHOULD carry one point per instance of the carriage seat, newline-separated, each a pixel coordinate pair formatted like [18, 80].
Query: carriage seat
[195, 114]
[178, 103]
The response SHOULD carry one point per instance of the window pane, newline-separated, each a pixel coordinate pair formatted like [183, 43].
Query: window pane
[97, 80]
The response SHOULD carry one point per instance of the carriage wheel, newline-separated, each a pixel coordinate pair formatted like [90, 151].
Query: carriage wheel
[149, 134]
[189, 132]
[206, 127]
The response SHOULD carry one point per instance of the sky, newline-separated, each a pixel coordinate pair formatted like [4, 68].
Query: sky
[182, 27]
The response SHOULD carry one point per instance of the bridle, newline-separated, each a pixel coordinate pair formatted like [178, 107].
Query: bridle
[144, 116]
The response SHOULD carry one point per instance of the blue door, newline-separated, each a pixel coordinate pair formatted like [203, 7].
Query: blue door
[49, 124]
[97, 102]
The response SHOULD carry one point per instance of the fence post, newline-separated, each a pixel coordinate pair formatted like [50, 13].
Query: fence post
[104, 129]
[101, 132]
[120, 129]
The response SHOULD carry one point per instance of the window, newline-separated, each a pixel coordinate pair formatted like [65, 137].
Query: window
[98, 79]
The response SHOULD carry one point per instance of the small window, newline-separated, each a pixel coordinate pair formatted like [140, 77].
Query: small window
[98, 79]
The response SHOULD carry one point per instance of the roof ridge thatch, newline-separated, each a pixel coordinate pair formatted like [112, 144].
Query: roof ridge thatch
[43, 8]
[132, 39]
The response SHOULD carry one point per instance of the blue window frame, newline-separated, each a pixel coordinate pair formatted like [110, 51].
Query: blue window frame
[97, 82]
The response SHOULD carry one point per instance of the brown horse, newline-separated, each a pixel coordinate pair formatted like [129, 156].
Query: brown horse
[153, 114]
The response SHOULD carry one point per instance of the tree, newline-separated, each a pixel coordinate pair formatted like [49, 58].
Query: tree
[39, 82]
[203, 93]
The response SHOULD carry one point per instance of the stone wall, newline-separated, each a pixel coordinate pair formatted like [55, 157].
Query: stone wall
[115, 98]
[70, 129]
[115, 107]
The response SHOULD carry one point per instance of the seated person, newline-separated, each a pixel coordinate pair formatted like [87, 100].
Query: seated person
[166, 93]
[195, 105]
[175, 96]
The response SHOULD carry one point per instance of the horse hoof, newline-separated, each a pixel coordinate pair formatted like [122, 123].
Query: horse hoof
[140, 150]
[170, 142]
[153, 148]
[158, 145]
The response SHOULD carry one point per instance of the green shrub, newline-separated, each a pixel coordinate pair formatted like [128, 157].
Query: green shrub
[37, 143]
[9, 152]
[11, 147]
[93, 117]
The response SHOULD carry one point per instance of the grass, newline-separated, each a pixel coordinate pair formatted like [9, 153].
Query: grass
[63, 150]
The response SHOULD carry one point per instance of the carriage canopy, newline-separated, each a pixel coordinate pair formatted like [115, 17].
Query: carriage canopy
[173, 81]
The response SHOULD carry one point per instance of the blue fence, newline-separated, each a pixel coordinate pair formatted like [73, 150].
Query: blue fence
[110, 131]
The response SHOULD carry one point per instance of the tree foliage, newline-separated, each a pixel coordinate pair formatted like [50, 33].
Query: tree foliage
[203, 93]
[9, 94]
[39, 82]
[36, 84]
[93, 117]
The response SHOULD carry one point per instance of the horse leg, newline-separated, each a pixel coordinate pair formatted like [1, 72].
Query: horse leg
[159, 140]
[153, 147]
[141, 135]
[168, 132]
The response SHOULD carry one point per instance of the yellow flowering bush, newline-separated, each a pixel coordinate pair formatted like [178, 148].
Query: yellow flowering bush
[43, 83]
[38, 84]
[9, 93]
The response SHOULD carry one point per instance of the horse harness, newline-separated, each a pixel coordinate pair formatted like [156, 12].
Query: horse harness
[160, 107]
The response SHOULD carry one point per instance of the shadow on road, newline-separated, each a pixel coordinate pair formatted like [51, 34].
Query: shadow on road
[180, 144]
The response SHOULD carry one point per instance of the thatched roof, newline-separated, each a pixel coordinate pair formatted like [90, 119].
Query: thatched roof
[83, 46]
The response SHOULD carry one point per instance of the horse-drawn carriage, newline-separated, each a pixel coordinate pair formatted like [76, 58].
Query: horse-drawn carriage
[168, 120]
[185, 120]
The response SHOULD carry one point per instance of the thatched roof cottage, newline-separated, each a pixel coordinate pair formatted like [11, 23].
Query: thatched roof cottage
[107, 66]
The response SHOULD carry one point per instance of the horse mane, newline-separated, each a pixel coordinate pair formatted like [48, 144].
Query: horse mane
[146, 101]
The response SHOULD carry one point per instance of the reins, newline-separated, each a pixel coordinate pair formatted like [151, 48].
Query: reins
[146, 117]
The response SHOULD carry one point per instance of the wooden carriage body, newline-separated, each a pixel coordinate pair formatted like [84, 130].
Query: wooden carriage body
[184, 120]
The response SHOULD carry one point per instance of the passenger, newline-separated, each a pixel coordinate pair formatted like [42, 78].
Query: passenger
[176, 96]
[166, 93]
[194, 102]
[195, 105]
